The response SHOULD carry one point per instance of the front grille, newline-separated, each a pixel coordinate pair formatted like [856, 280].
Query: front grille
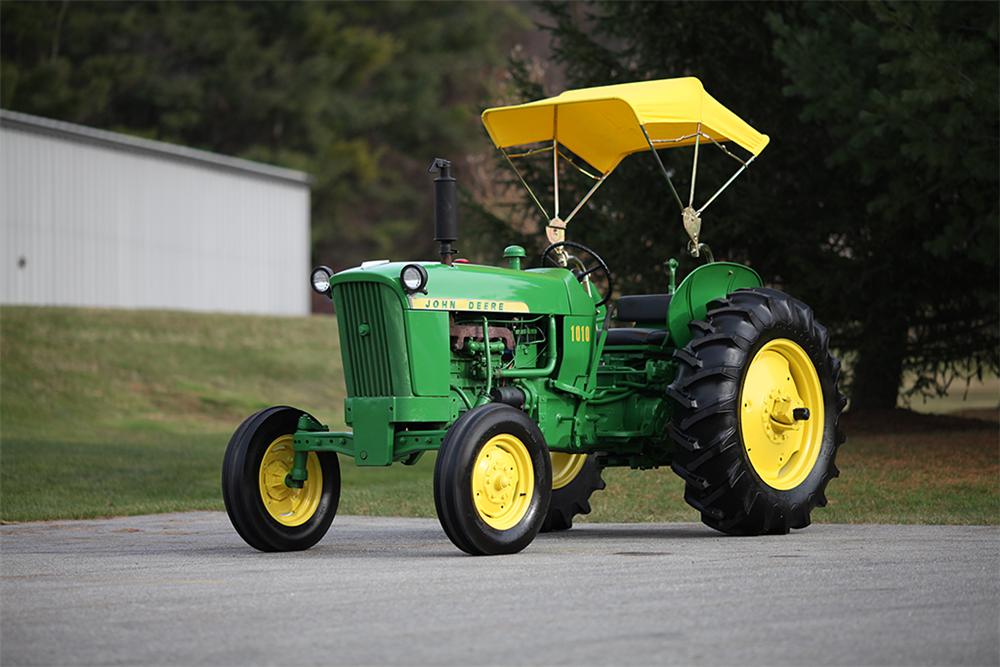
[367, 337]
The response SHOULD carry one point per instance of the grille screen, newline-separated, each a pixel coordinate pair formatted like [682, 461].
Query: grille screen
[364, 338]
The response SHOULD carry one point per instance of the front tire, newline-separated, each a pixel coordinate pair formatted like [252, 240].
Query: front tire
[268, 515]
[757, 414]
[492, 481]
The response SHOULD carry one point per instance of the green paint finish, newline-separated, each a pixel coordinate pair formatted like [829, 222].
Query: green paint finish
[377, 424]
[531, 370]
[514, 254]
[414, 363]
[704, 284]
[372, 339]
[399, 409]
[407, 445]
[374, 432]
[547, 291]
[577, 344]
[410, 443]
[429, 352]
[339, 442]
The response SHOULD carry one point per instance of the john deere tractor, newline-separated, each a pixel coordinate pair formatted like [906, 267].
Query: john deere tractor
[516, 377]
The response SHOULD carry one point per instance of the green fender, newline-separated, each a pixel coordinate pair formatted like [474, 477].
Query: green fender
[707, 282]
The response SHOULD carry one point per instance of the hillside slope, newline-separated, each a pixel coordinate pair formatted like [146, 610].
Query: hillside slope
[107, 412]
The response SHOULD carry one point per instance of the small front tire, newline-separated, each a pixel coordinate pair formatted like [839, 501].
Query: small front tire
[492, 481]
[268, 515]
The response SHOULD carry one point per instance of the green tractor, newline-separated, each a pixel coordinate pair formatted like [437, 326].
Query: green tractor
[514, 376]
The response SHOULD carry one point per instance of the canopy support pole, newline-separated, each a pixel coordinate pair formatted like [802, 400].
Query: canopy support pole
[662, 168]
[555, 157]
[694, 166]
[587, 196]
[727, 183]
[525, 184]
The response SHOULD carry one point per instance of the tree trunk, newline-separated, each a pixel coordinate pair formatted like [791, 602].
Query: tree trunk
[879, 373]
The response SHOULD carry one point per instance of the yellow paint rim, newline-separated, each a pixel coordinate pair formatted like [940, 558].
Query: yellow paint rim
[503, 481]
[565, 468]
[287, 506]
[782, 450]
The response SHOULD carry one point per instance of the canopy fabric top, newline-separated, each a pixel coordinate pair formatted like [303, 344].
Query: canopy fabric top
[603, 125]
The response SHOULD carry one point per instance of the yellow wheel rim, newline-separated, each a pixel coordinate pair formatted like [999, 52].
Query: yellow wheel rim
[781, 378]
[287, 506]
[565, 468]
[503, 481]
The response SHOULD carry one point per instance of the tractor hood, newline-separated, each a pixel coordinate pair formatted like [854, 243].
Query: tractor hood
[480, 288]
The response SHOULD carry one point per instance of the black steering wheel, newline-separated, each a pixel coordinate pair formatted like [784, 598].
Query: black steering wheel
[586, 265]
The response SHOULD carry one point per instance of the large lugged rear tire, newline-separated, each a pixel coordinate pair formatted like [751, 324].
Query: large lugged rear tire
[575, 477]
[268, 515]
[757, 414]
[492, 481]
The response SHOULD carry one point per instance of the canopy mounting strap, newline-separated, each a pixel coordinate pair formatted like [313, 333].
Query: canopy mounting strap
[593, 177]
[533, 151]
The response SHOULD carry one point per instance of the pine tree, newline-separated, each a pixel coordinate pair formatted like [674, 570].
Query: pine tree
[876, 201]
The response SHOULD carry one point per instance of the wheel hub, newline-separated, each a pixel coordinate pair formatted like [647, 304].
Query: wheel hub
[502, 481]
[778, 414]
[780, 383]
[288, 506]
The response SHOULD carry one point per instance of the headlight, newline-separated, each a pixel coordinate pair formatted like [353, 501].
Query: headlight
[414, 278]
[321, 279]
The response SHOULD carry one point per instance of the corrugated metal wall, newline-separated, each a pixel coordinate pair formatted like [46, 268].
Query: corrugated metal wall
[90, 220]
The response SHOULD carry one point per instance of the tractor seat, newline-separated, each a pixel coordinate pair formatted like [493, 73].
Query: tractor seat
[634, 336]
[641, 309]
[644, 309]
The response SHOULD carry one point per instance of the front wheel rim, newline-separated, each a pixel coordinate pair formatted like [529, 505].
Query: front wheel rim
[781, 445]
[288, 506]
[503, 481]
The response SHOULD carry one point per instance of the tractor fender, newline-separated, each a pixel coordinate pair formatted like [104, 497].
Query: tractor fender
[704, 284]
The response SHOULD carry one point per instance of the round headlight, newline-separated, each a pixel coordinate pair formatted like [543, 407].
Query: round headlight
[413, 277]
[321, 279]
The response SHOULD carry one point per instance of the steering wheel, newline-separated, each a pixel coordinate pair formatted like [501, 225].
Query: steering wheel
[586, 265]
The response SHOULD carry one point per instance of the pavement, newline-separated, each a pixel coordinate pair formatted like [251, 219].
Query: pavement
[184, 589]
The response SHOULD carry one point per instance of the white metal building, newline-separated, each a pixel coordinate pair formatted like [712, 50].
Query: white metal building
[94, 218]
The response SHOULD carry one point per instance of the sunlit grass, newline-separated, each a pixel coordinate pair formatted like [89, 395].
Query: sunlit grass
[107, 412]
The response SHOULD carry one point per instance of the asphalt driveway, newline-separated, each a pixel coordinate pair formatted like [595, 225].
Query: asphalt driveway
[184, 589]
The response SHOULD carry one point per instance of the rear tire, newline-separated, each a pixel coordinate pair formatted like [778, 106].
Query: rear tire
[492, 481]
[268, 516]
[751, 467]
[573, 499]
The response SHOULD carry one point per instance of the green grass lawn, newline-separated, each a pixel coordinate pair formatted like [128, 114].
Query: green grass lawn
[107, 412]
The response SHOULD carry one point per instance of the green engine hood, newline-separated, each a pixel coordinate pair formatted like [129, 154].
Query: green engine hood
[480, 288]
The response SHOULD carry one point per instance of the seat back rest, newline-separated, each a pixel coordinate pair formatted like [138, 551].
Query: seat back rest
[643, 309]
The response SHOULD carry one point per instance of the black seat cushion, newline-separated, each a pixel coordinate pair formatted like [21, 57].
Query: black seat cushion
[644, 309]
[632, 336]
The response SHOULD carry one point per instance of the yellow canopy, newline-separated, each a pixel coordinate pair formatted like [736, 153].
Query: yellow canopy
[603, 125]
